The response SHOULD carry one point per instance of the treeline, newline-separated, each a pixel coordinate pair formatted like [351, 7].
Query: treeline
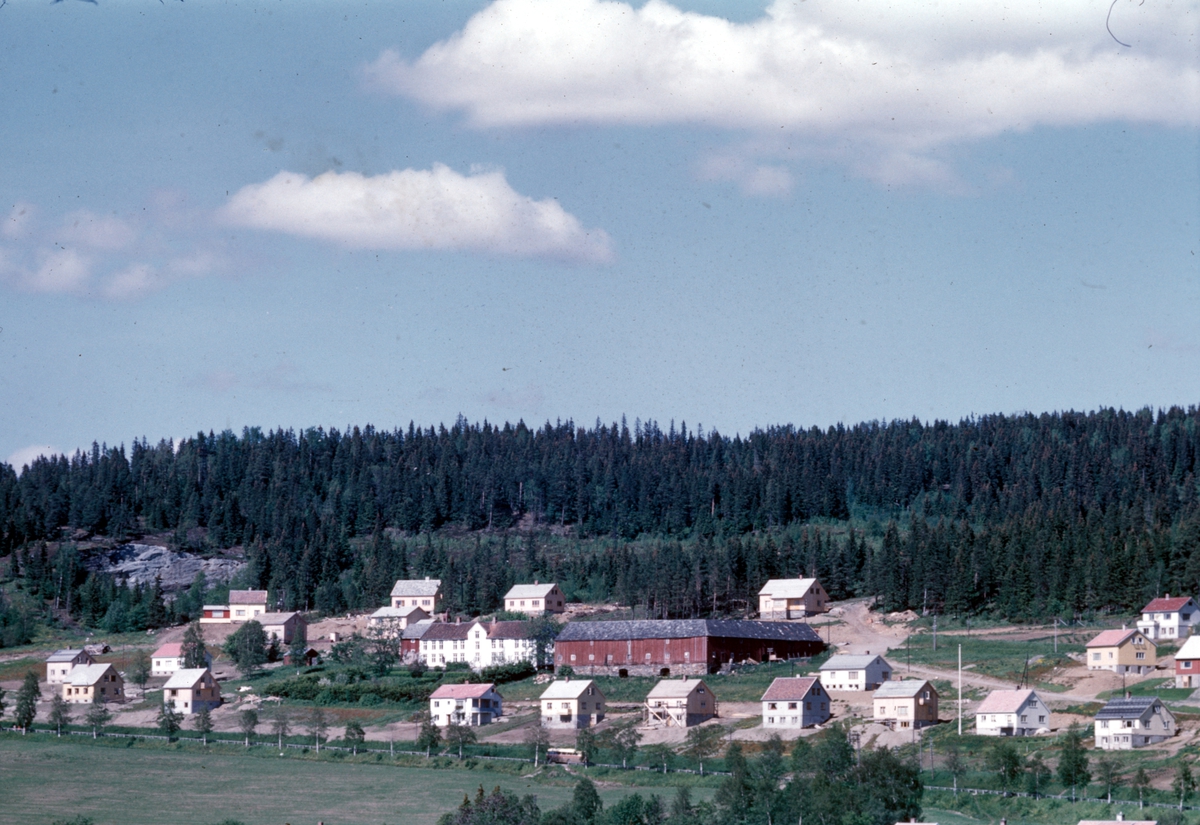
[1021, 515]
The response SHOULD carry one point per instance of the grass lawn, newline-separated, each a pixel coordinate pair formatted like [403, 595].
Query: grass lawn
[997, 658]
[1162, 688]
[47, 779]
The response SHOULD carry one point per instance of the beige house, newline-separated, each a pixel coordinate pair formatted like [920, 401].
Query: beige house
[243, 606]
[680, 703]
[61, 662]
[568, 703]
[191, 690]
[791, 599]
[93, 683]
[472, 705]
[1012, 713]
[281, 626]
[795, 702]
[906, 704]
[847, 671]
[1133, 722]
[535, 598]
[393, 620]
[1122, 651]
[423, 593]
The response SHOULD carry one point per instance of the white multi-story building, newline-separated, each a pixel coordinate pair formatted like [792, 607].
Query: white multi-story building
[472, 705]
[479, 644]
[535, 599]
[1012, 713]
[795, 702]
[571, 703]
[424, 593]
[60, 663]
[1133, 722]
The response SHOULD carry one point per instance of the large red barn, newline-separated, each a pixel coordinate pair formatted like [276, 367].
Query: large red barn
[683, 646]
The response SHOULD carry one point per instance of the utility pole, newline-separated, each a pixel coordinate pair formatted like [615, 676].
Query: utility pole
[935, 632]
[960, 688]
[1056, 634]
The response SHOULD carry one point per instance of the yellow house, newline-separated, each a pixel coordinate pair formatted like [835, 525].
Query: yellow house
[1122, 651]
[93, 683]
[191, 690]
[791, 599]
[571, 703]
[423, 593]
[60, 664]
[905, 705]
[680, 703]
[535, 598]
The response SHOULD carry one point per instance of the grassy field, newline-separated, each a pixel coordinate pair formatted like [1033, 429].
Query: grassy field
[46, 779]
[998, 658]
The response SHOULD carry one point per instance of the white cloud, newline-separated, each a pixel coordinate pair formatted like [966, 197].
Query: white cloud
[98, 255]
[894, 78]
[753, 179]
[417, 209]
[26, 455]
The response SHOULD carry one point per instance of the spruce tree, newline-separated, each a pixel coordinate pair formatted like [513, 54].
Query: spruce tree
[203, 723]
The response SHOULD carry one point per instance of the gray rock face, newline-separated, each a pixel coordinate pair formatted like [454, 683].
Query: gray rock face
[140, 563]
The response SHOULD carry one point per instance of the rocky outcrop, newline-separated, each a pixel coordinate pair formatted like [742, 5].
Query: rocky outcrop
[141, 563]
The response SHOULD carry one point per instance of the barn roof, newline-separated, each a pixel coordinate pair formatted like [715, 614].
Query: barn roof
[686, 629]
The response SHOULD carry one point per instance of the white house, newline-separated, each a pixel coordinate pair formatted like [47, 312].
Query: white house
[1133, 722]
[423, 593]
[472, 705]
[795, 702]
[1168, 618]
[394, 620]
[190, 690]
[571, 703]
[791, 599]
[850, 672]
[169, 658]
[60, 663]
[477, 643]
[1012, 713]
[535, 599]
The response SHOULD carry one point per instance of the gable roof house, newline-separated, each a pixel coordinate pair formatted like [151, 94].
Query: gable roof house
[1187, 664]
[1133, 722]
[535, 599]
[60, 663]
[681, 646]
[571, 703]
[846, 671]
[190, 690]
[472, 705]
[1012, 713]
[281, 626]
[1169, 618]
[410, 638]
[243, 606]
[93, 683]
[423, 593]
[1122, 651]
[791, 599]
[795, 702]
[393, 620]
[680, 703]
[910, 703]
[444, 642]
[169, 658]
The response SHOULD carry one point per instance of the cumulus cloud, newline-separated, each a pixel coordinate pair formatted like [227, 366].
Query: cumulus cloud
[92, 254]
[26, 455]
[417, 209]
[896, 79]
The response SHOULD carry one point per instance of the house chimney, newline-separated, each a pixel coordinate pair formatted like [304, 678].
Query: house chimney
[1121, 814]
[426, 578]
[535, 581]
[458, 619]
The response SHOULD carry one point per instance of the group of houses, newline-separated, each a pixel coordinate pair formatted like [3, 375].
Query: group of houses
[251, 605]
[84, 681]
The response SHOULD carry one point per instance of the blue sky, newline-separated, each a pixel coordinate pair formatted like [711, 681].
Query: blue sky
[219, 215]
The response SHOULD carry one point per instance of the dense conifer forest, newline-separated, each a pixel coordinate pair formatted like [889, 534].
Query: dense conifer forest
[1021, 516]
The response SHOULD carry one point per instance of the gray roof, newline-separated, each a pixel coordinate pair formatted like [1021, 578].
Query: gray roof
[901, 690]
[417, 629]
[275, 618]
[1132, 708]
[686, 629]
[248, 597]
[63, 655]
[530, 591]
[849, 661]
[447, 631]
[416, 587]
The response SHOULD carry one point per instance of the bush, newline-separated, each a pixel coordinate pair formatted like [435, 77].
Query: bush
[309, 689]
[370, 699]
[501, 674]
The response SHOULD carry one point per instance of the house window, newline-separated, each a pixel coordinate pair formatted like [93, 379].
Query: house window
[1141, 654]
[791, 705]
[1095, 657]
[1041, 719]
[771, 706]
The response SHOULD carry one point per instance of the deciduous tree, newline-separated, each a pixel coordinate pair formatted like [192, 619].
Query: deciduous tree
[247, 722]
[429, 736]
[1073, 761]
[97, 718]
[203, 723]
[195, 654]
[169, 720]
[457, 736]
[60, 714]
[354, 735]
[27, 699]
